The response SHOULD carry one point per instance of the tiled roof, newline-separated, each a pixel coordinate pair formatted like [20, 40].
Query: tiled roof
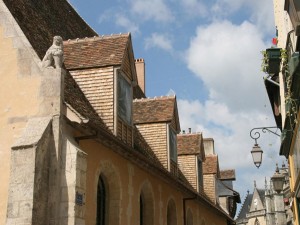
[152, 110]
[227, 174]
[247, 204]
[43, 19]
[245, 208]
[96, 51]
[189, 144]
[138, 93]
[40, 20]
[210, 165]
[223, 189]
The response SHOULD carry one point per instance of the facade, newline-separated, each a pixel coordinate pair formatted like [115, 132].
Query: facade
[81, 143]
[283, 89]
[266, 206]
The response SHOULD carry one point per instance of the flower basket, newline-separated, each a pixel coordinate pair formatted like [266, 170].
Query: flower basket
[273, 60]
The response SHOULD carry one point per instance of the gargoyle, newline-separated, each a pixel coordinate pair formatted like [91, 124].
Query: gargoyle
[54, 57]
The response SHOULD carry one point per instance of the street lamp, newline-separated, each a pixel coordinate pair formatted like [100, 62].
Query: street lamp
[257, 155]
[277, 180]
[256, 150]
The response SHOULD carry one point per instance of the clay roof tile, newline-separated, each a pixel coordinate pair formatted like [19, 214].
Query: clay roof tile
[227, 174]
[153, 110]
[95, 51]
[189, 144]
[210, 165]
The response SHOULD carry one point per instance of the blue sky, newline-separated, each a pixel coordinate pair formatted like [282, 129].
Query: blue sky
[208, 53]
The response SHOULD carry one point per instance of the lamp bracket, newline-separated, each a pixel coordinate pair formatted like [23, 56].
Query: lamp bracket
[255, 133]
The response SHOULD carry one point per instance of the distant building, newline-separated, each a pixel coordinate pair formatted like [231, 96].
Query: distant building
[79, 141]
[267, 207]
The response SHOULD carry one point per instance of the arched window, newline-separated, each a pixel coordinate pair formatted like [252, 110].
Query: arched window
[107, 195]
[189, 217]
[142, 210]
[146, 205]
[171, 213]
[101, 202]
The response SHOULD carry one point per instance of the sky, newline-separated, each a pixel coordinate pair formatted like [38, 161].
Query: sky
[207, 52]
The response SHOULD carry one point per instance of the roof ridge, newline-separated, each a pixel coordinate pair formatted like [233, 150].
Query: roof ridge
[153, 98]
[96, 38]
[192, 133]
[243, 203]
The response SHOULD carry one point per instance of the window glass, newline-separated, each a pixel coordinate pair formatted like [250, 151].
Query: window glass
[124, 99]
[101, 202]
[200, 175]
[172, 145]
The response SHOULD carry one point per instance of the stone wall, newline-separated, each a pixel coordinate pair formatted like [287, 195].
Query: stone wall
[19, 67]
[73, 184]
[29, 181]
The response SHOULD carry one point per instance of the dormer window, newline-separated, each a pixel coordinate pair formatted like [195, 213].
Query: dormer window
[124, 99]
[172, 144]
[123, 116]
[200, 174]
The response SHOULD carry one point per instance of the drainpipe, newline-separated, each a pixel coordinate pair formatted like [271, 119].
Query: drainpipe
[184, 207]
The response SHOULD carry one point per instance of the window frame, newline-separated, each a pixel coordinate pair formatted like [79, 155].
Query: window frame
[172, 148]
[121, 77]
[199, 173]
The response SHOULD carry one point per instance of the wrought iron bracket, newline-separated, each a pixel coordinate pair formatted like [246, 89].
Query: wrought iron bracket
[255, 133]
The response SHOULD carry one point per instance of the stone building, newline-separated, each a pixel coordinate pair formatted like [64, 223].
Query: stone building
[76, 148]
[266, 206]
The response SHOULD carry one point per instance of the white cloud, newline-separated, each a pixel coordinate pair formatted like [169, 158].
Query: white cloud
[160, 41]
[128, 24]
[230, 131]
[155, 10]
[227, 58]
[263, 16]
[226, 7]
[194, 7]
[261, 13]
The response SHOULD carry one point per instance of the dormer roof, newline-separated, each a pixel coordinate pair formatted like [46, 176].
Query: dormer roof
[211, 165]
[98, 51]
[190, 144]
[227, 174]
[156, 110]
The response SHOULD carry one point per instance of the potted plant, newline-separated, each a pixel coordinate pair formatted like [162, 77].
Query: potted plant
[271, 60]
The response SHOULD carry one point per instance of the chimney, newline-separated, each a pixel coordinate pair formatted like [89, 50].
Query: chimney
[140, 71]
[209, 147]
